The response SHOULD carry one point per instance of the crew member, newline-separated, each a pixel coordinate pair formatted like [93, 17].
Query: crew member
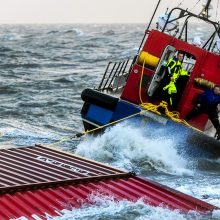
[207, 103]
[174, 71]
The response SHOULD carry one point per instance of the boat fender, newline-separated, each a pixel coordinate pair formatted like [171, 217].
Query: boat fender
[148, 59]
[204, 83]
[100, 99]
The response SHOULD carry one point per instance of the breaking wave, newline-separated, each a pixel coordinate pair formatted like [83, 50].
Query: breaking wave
[105, 207]
[127, 147]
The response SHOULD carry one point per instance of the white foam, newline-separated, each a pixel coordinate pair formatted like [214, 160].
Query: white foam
[78, 32]
[207, 193]
[21, 218]
[27, 135]
[126, 147]
[104, 207]
[216, 214]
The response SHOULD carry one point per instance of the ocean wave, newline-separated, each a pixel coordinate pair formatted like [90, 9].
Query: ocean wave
[8, 90]
[126, 147]
[77, 31]
[5, 49]
[106, 207]
[53, 32]
[10, 37]
[25, 137]
[208, 164]
[21, 65]
[204, 189]
[72, 80]
[109, 33]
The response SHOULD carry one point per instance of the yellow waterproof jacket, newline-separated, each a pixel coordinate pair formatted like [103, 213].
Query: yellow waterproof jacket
[171, 90]
[171, 87]
[175, 69]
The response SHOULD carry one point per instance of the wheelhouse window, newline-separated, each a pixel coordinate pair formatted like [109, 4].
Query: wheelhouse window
[189, 62]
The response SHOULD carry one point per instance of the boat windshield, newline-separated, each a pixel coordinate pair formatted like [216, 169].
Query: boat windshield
[189, 63]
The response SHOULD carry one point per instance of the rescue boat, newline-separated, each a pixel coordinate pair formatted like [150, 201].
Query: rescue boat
[131, 90]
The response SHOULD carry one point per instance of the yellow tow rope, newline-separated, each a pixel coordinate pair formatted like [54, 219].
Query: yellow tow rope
[174, 116]
[95, 129]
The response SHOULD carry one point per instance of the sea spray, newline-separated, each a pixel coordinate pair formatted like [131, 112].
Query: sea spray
[106, 207]
[128, 147]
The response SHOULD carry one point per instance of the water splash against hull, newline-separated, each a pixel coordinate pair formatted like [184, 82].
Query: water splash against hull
[130, 148]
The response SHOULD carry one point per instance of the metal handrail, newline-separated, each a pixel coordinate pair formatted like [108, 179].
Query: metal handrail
[110, 75]
[114, 70]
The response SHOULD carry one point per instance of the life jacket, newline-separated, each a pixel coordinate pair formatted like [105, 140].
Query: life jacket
[174, 68]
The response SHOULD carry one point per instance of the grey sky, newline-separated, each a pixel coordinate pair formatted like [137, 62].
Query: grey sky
[85, 11]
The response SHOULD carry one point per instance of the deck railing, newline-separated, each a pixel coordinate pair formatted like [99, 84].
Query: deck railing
[115, 75]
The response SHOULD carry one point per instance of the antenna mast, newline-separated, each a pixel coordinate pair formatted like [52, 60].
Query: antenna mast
[207, 5]
[158, 3]
[205, 11]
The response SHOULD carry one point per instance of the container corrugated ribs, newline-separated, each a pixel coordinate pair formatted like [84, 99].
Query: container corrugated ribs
[38, 180]
[39, 166]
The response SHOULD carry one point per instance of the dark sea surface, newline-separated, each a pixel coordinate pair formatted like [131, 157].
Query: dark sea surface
[43, 70]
